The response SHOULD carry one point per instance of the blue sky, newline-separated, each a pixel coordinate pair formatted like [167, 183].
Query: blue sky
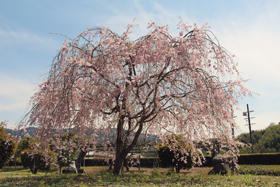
[250, 29]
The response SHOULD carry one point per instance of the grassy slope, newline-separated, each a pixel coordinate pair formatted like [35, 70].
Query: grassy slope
[98, 176]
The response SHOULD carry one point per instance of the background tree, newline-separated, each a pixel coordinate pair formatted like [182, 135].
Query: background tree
[101, 80]
[270, 139]
[7, 145]
[256, 146]
[264, 141]
[24, 143]
[67, 149]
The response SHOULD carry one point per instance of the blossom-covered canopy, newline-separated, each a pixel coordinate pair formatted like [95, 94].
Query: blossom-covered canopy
[158, 83]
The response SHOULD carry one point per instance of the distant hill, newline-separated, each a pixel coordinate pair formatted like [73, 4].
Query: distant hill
[21, 133]
[31, 131]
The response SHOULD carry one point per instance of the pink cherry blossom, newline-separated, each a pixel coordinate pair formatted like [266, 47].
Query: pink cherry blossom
[156, 84]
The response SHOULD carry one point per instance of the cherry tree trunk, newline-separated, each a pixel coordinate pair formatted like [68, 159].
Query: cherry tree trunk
[122, 148]
[79, 161]
[119, 162]
[120, 152]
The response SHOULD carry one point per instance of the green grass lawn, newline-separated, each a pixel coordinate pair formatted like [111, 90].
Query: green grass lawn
[273, 170]
[99, 176]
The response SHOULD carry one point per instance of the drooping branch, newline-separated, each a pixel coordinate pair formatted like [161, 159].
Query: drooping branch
[101, 80]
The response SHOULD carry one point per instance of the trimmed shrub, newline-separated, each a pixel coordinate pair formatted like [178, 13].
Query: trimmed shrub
[35, 161]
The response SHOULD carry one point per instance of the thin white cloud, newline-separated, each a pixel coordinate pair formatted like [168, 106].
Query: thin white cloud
[20, 35]
[142, 17]
[28, 39]
[15, 93]
[257, 53]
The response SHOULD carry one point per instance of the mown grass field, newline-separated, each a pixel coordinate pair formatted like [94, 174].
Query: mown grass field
[99, 176]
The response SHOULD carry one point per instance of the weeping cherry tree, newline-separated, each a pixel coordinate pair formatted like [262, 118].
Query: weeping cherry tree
[158, 83]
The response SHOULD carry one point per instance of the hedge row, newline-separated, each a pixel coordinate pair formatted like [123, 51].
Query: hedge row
[95, 162]
[260, 158]
[250, 159]
[254, 159]
[148, 162]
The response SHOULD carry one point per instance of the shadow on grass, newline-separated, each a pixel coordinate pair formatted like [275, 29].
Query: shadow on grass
[10, 169]
[59, 180]
[104, 178]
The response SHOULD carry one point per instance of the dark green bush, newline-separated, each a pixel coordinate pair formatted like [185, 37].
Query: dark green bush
[7, 145]
[24, 144]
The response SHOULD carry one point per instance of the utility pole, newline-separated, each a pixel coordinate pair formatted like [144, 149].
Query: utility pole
[249, 122]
